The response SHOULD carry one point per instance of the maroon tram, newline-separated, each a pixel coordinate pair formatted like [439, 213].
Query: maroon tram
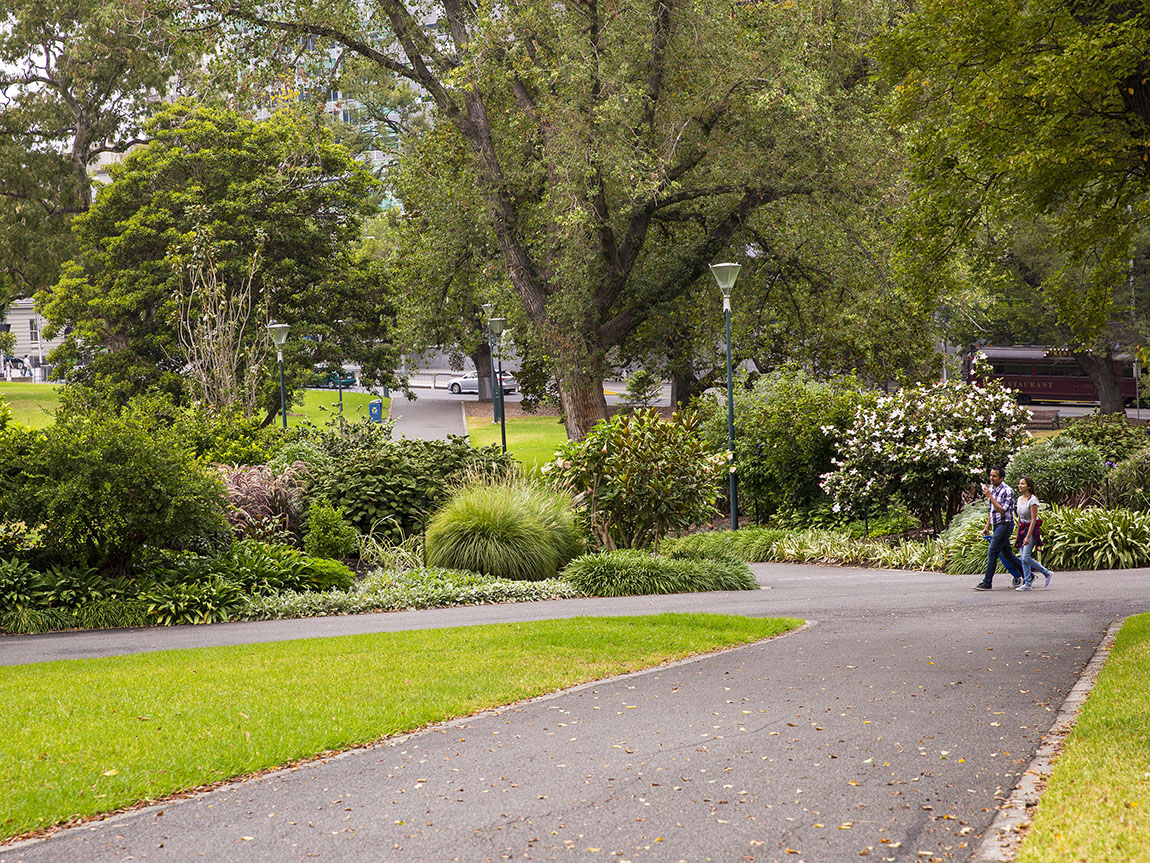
[1044, 374]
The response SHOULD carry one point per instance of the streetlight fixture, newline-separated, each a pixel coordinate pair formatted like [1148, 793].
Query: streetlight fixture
[725, 275]
[279, 336]
[497, 325]
[489, 310]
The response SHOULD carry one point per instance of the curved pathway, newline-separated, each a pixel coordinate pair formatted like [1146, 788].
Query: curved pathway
[890, 729]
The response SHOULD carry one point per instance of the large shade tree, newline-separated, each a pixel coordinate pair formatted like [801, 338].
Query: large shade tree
[77, 79]
[617, 149]
[269, 209]
[1033, 115]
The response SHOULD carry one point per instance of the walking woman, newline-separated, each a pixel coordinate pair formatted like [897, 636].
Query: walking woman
[1029, 533]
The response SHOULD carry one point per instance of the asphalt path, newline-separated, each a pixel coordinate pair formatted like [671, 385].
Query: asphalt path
[891, 727]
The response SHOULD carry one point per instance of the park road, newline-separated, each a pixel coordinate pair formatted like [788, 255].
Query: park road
[889, 729]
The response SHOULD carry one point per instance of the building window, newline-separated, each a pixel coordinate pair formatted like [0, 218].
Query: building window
[34, 331]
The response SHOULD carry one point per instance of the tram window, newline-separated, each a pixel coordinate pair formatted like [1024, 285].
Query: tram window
[1058, 368]
[997, 368]
[1017, 368]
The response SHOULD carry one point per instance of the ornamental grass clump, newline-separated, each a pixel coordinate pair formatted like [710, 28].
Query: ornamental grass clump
[631, 572]
[487, 528]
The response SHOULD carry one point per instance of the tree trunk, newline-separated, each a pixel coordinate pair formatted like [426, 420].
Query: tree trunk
[581, 397]
[1100, 369]
[683, 387]
[481, 356]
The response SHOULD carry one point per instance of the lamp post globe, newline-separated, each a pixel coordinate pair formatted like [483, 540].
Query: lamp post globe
[725, 275]
[497, 325]
[489, 311]
[279, 333]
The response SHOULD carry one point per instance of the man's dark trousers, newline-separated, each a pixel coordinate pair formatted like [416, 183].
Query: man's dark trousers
[1000, 544]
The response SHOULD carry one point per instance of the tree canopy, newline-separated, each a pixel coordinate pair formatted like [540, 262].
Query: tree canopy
[617, 150]
[77, 79]
[274, 205]
[1032, 118]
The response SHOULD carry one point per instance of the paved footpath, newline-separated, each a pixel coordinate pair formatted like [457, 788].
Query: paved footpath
[889, 729]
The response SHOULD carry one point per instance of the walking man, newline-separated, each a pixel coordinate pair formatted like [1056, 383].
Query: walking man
[1000, 527]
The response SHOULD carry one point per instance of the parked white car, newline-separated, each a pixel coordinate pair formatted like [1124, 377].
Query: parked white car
[469, 383]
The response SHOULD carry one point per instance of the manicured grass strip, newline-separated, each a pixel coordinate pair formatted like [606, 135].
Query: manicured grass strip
[1097, 806]
[87, 736]
[319, 406]
[532, 440]
[33, 405]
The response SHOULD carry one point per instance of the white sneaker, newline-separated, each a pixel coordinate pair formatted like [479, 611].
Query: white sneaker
[1049, 576]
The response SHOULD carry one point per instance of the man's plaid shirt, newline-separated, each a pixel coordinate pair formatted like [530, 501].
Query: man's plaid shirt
[1004, 494]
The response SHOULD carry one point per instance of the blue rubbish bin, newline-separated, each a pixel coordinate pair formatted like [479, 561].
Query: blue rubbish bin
[375, 411]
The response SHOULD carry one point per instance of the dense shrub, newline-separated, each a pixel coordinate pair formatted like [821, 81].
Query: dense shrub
[486, 529]
[786, 427]
[632, 572]
[387, 488]
[1060, 467]
[1113, 435]
[323, 574]
[226, 436]
[328, 533]
[104, 486]
[17, 537]
[306, 455]
[1130, 481]
[925, 445]
[638, 477]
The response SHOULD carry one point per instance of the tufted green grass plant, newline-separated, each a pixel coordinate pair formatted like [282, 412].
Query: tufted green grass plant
[508, 528]
[752, 544]
[632, 572]
[144, 726]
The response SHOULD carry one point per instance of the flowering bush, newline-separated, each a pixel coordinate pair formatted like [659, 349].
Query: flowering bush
[638, 476]
[926, 445]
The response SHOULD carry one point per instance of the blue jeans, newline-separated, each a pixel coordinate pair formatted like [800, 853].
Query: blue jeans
[1000, 546]
[1029, 563]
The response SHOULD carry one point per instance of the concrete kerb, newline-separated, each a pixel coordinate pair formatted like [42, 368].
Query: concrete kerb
[1004, 836]
[159, 804]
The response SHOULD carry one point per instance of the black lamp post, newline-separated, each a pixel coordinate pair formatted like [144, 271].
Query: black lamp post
[497, 325]
[489, 310]
[725, 275]
[279, 336]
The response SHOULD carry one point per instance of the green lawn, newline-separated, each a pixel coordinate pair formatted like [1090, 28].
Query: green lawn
[32, 404]
[532, 440]
[321, 405]
[87, 736]
[1097, 806]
